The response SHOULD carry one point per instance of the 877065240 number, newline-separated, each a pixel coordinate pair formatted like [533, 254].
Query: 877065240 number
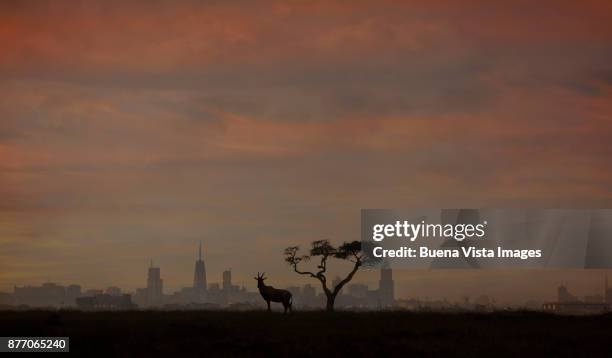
[31, 344]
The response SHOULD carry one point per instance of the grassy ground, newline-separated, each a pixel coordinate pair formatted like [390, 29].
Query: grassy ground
[199, 333]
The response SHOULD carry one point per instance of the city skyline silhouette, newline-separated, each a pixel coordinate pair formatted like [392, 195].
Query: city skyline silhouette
[216, 295]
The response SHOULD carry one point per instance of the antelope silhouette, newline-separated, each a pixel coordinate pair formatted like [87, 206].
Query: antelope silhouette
[271, 294]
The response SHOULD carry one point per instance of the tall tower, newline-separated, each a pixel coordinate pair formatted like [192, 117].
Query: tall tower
[386, 286]
[199, 275]
[227, 280]
[154, 285]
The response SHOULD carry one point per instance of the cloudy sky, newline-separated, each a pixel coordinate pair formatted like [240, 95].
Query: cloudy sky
[132, 131]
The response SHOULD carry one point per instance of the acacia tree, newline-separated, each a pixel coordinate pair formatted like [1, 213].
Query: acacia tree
[350, 251]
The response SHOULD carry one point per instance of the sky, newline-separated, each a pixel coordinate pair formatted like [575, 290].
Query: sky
[131, 131]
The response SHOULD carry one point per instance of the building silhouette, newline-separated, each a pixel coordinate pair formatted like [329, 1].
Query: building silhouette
[154, 286]
[386, 286]
[199, 274]
[113, 291]
[309, 296]
[228, 294]
[568, 303]
[49, 294]
[227, 280]
[72, 293]
[358, 290]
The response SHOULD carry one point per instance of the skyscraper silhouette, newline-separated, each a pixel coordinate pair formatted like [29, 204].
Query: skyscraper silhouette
[386, 286]
[227, 280]
[154, 285]
[199, 275]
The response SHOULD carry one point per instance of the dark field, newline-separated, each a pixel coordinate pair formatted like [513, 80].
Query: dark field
[201, 333]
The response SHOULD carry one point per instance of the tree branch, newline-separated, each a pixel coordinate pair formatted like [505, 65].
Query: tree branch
[303, 272]
[348, 278]
[323, 266]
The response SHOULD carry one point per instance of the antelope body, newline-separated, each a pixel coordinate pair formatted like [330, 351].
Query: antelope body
[271, 294]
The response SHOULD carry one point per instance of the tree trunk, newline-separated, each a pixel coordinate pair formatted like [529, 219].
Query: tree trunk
[330, 303]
